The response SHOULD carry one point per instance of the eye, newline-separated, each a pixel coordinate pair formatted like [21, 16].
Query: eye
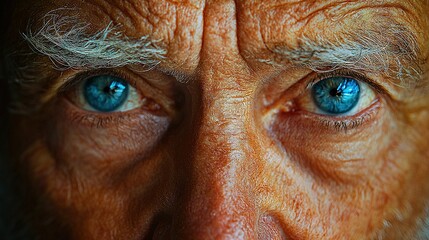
[338, 96]
[106, 93]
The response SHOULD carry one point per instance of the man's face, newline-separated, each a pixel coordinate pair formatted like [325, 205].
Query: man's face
[223, 120]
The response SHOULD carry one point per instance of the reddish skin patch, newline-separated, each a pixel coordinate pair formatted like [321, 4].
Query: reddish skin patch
[211, 159]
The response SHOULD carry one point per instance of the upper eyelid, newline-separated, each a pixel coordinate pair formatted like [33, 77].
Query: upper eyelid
[351, 74]
[77, 78]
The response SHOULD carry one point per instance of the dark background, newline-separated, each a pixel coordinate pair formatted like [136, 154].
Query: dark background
[11, 227]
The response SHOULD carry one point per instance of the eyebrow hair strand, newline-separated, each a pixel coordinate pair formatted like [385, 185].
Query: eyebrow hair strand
[73, 47]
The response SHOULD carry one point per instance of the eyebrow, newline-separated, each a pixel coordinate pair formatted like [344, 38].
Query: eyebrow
[66, 41]
[388, 48]
[392, 50]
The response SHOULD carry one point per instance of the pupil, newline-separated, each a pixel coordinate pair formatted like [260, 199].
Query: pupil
[107, 90]
[334, 92]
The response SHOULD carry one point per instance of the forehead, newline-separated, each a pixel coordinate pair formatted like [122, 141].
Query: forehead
[180, 26]
[150, 15]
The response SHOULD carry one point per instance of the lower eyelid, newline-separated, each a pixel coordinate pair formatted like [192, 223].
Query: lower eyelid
[105, 120]
[345, 123]
[94, 119]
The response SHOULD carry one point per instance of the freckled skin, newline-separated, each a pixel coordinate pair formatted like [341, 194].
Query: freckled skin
[223, 164]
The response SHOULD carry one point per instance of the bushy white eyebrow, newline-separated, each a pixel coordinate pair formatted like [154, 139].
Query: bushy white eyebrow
[393, 51]
[66, 41]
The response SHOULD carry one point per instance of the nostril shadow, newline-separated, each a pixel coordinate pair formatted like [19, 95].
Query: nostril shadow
[159, 229]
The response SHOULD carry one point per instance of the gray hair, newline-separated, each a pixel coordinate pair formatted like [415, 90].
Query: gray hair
[74, 48]
[393, 51]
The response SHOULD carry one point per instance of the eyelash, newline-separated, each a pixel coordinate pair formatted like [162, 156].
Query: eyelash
[347, 73]
[82, 76]
[98, 120]
[351, 122]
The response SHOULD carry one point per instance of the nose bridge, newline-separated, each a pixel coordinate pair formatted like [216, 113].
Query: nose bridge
[218, 202]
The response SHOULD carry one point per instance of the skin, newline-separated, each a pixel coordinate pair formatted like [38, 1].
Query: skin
[217, 154]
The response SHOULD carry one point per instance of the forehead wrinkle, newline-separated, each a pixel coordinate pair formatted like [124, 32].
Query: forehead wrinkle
[299, 14]
[305, 10]
[302, 12]
[177, 24]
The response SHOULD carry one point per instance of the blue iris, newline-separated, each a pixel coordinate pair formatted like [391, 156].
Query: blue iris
[336, 95]
[105, 93]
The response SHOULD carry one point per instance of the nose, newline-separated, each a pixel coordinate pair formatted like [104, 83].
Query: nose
[219, 199]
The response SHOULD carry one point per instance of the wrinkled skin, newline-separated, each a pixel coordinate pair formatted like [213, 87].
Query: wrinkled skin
[221, 159]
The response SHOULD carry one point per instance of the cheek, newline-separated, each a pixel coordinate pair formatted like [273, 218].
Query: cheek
[98, 144]
[351, 155]
[83, 172]
[73, 204]
[354, 178]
